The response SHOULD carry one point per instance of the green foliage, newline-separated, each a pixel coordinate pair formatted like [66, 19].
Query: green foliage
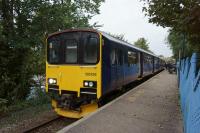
[143, 44]
[180, 45]
[168, 13]
[182, 17]
[40, 98]
[24, 25]
[3, 106]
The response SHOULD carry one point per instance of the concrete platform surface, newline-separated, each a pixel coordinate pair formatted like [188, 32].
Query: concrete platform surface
[152, 107]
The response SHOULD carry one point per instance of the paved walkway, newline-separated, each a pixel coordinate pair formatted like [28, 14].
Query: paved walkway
[149, 108]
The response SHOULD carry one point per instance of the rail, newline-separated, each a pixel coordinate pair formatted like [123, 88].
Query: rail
[50, 123]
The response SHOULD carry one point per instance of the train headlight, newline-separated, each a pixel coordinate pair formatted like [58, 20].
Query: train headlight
[91, 84]
[86, 83]
[52, 81]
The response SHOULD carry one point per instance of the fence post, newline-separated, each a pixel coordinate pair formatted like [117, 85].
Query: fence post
[194, 63]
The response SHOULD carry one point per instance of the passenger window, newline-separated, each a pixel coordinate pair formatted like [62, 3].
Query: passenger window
[148, 59]
[132, 58]
[116, 57]
[71, 51]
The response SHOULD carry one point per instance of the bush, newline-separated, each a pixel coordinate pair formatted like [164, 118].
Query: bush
[3, 106]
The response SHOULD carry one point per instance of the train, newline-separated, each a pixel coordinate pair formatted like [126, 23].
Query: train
[85, 65]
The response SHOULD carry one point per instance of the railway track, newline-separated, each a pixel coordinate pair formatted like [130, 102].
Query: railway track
[52, 125]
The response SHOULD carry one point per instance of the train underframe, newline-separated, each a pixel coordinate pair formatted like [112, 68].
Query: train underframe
[71, 106]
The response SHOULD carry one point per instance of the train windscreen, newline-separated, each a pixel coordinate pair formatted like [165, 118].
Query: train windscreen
[73, 48]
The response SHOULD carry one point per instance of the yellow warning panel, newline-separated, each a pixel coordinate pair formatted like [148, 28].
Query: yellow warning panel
[84, 110]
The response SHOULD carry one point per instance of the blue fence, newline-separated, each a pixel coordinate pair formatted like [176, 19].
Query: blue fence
[189, 84]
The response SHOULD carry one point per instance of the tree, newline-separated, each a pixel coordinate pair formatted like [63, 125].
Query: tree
[173, 14]
[143, 44]
[180, 45]
[182, 18]
[24, 26]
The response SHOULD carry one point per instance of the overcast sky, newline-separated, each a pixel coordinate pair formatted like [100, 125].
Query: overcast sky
[126, 17]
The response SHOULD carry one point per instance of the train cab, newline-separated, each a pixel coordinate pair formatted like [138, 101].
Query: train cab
[73, 71]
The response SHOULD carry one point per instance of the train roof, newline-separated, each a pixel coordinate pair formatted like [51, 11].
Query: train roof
[110, 37]
[124, 43]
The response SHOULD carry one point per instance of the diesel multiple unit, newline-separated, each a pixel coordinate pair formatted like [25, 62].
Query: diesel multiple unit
[85, 65]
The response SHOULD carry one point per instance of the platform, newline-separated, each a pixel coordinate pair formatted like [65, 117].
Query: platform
[152, 107]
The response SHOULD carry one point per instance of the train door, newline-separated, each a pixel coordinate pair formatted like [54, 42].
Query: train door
[142, 61]
[153, 58]
[140, 66]
[117, 73]
[120, 69]
[113, 63]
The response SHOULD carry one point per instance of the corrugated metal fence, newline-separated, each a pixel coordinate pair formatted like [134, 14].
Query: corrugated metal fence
[189, 84]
